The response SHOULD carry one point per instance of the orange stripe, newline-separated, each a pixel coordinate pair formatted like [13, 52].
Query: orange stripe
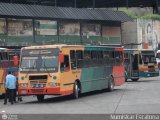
[68, 92]
[119, 49]
[46, 91]
[145, 69]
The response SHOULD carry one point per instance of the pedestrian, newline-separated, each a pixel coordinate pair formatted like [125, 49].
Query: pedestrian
[19, 98]
[10, 86]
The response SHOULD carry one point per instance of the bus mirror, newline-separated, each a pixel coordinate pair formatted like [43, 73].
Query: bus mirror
[15, 60]
[61, 58]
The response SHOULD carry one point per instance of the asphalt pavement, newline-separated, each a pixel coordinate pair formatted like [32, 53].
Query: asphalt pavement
[131, 98]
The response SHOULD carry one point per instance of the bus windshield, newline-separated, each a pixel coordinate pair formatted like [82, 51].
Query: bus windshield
[39, 60]
[148, 57]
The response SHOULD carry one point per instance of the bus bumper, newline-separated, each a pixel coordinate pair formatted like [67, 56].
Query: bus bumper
[151, 74]
[2, 89]
[37, 91]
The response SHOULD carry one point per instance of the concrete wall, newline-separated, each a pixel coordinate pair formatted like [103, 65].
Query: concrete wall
[129, 35]
[142, 34]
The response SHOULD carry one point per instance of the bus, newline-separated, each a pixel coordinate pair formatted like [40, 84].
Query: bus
[69, 69]
[140, 63]
[7, 57]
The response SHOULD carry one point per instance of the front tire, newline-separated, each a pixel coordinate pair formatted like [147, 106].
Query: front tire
[110, 84]
[126, 78]
[40, 98]
[76, 91]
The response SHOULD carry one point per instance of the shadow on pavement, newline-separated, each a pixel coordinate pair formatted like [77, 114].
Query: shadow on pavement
[58, 99]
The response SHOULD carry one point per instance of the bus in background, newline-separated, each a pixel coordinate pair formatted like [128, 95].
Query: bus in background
[69, 69]
[158, 58]
[7, 64]
[140, 63]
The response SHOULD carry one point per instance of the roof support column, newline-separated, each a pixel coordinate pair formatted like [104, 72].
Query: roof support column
[93, 2]
[81, 35]
[55, 3]
[33, 22]
[75, 3]
[127, 4]
[58, 30]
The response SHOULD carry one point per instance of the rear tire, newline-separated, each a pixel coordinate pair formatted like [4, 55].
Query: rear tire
[135, 79]
[40, 98]
[110, 84]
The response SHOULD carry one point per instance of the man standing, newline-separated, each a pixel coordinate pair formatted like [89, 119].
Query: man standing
[10, 86]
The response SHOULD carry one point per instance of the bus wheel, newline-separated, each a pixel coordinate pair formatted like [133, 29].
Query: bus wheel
[110, 84]
[2, 96]
[135, 79]
[40, 98]
[126, 78]
[76, 91]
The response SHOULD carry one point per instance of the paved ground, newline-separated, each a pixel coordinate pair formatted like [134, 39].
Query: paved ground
[133, 97]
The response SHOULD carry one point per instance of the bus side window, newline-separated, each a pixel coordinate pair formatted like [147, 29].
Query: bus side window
[5, 62]
[73, 59]
[140, 59]
[87, 58]
[112, 57]
[126, 58]
[119, 57]
[5, 56]
[106, 57]
[1, 60]
[135, 62]
[100, 57]
[79, 56]
[65, 66]
[94, 58]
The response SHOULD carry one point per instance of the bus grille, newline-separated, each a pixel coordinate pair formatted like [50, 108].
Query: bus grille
[38, 81]
[150, 66]
[37, 90]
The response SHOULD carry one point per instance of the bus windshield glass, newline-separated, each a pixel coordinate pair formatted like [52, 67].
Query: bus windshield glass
[39, 60]
[148, 57]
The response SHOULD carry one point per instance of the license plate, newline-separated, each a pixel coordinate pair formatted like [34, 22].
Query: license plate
[23, 91]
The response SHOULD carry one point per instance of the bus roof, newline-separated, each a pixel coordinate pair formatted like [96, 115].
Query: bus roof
[51, 46]
[139, 49]
[65, 45]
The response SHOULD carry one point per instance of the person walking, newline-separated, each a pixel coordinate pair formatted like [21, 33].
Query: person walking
[10, 86]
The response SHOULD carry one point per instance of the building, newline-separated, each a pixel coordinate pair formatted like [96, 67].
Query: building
[22, 25]
[141, 34]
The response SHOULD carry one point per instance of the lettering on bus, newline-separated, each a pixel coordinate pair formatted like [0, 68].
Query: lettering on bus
[40, 52]
[33, 52]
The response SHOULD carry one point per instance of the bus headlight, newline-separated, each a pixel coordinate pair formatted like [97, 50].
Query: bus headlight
[52, 84]
[23, 84]
[156, 70]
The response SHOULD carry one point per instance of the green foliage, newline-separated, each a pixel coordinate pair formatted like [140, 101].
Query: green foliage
[151, 17]
[147, 16]
[129, 13]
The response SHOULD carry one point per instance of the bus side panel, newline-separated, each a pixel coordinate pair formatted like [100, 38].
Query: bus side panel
[95, 78]
[2, 76]
[119, 75]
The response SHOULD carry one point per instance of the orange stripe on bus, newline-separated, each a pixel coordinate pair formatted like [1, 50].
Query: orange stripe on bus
[145, 69]
[66, 92]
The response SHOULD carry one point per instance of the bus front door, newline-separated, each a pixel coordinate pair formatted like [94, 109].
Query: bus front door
[134, 71]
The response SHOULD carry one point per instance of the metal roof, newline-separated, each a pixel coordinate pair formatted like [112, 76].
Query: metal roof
[89, 3]
[50, 12]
